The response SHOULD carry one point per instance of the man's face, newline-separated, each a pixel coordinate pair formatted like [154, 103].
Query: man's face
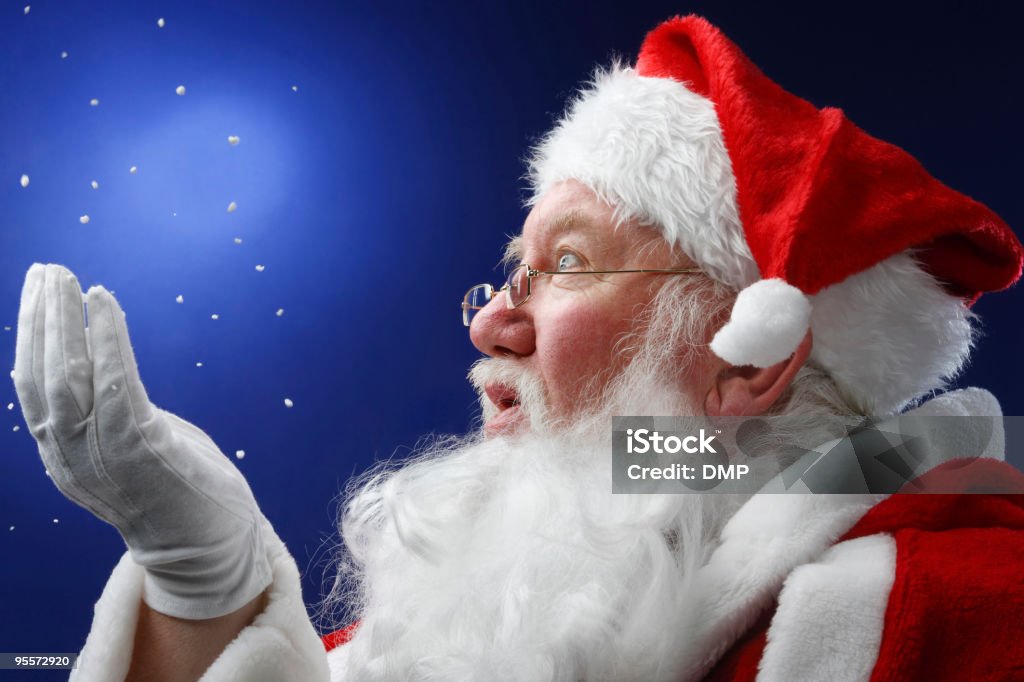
[565, 335]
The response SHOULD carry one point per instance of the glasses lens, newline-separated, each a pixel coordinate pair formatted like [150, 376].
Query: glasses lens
[518, 286]
[475, 299]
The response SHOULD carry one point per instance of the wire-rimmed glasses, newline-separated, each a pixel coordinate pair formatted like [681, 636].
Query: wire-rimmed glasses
[518, 287]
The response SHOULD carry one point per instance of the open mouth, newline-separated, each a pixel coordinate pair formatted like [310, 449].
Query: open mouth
[503, 397]
[509, 413]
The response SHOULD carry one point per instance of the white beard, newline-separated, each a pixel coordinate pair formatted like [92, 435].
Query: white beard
[510, 559]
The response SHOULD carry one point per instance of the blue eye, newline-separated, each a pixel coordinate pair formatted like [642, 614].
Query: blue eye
[568, 261]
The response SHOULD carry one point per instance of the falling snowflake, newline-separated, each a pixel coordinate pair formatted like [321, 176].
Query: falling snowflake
[233, 139]
[238, 240]
[179, 298]
[260, 268]
[232, 207]
[215, 316]
[24, 181]
[28, 8]
[10, 406]
[94, 184]
[160, 22]
[94, 102]
[280, 312]
[239, 454]
[83, 219]
[64, 54]
[288, 402]
[180, 90]
[295, 88]
[133, 170]
[199, 364]
[16, 428]
[56, 520]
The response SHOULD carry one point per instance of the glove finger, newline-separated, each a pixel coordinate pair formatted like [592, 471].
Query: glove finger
[67, 367]
[115, 373]
[28, 359]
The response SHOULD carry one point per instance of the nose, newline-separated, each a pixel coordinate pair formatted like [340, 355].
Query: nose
[500, 332]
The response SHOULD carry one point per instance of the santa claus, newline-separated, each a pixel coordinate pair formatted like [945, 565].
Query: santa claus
[701, 244]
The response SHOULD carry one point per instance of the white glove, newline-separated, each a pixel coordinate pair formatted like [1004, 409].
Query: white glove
[184, 510]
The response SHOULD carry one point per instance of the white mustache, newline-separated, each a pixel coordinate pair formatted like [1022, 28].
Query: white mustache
[528, 387]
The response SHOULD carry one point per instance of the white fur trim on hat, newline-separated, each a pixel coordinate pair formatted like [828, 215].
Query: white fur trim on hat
[890, 334]
[670, 170]
[769, 319]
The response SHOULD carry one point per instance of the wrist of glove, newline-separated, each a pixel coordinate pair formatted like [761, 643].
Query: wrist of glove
[216, 582]
[185, 511]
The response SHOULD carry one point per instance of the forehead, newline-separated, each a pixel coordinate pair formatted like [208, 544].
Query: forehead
[569, 209]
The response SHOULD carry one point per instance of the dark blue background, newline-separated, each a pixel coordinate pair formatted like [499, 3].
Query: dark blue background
[375, 195]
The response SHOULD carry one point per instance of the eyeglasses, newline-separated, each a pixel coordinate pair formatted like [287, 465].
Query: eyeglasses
[518, 287]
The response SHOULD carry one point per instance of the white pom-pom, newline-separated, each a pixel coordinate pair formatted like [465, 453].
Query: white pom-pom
[769, 320]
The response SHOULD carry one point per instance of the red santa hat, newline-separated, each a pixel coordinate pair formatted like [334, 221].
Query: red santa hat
[816, 223]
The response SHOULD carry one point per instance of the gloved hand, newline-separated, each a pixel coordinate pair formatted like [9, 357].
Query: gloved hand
[184, 510]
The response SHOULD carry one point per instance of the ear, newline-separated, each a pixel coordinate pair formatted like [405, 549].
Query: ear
[749, 391]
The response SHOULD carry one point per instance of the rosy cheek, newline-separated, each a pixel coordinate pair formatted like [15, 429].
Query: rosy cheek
[573, 347]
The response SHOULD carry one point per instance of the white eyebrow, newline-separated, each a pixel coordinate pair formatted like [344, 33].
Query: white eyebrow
[513, 255]
[566, 222]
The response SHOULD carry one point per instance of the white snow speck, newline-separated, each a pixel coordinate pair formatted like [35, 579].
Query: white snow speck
[6, 328]
[232, 207]
[233, 139]
[56, 520]
[10, 406]
[215, 316]
[83, 219]
[238, 240]
[199, 364]
[11, 528]
[179, 299]
[28, 8]
[12, 373]
[260, 268]
[16, 428]
[295, 88]
[280, 312]
[24, 181]
[160, 22]
[239, 454]
[113, 387]
[180, 90]
[133, 170]
[94, 184]
[288, 402]
[94, 102]
[64, 54]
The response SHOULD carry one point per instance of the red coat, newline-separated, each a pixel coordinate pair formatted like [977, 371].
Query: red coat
[956, 607]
